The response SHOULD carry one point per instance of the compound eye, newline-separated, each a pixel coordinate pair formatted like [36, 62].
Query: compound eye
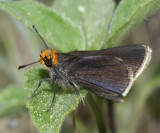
[48, 62]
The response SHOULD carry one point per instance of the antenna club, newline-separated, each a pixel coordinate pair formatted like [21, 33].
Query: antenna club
[20, 67]
[33, 26]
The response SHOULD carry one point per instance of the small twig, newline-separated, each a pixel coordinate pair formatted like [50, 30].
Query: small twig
[74, 122]
[98, 114]
[111, 116]
[109, 25]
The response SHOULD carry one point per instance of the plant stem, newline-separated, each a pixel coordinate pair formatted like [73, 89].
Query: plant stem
[74, 122]
[98, 114]
[111, 116]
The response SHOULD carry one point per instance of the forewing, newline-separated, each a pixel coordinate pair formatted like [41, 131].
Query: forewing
[110, 70]
[101, 74]
[134, 56]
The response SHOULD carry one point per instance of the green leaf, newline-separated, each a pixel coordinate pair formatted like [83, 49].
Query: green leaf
[12, 100]
[60, 33]
[66, 100]
[128, 15]
[92, 16]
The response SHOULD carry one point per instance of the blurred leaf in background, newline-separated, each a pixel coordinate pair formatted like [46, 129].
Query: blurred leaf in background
[91, 16]
[12, 99]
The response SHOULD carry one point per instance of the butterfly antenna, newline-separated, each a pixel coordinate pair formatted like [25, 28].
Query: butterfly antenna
[20, 67]
[33, 26]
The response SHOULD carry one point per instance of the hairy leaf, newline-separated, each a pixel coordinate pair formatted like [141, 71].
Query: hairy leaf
[66, 100]
[127, 16]
[60, 33]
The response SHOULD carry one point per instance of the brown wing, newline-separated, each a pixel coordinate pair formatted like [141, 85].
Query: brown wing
[107, 73]
[110, 70]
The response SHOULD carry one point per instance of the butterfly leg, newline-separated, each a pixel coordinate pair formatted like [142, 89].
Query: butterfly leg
[53, 97]
[113, 97]
[78, 90]
[50, 80]
[110, 96]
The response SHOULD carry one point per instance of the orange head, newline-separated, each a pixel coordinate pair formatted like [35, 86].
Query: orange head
[48, 58]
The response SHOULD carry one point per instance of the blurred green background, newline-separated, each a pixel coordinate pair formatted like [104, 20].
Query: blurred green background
[140, 113]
